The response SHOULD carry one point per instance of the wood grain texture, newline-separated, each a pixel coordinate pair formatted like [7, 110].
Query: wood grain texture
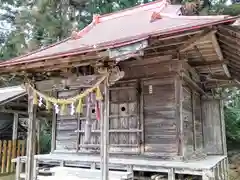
[159, 116]
[124, 118]
[198, 123]
[66, 125]
[213, 143]
[187, 120]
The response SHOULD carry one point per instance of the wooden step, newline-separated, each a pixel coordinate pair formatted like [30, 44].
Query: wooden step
[89, 173]
[23, 176]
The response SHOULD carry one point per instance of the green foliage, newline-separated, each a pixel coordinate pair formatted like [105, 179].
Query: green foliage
[232, 10]
[232, 117]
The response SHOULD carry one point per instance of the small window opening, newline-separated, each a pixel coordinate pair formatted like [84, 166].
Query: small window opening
[123, 108]
[93, 111]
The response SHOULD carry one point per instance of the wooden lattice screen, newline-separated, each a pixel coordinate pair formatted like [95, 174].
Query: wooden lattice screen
[10, 150]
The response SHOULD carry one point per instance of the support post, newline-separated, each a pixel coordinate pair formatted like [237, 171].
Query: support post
[223, 128]
[15, 126]
[179, 118]
[171, 174]
[31, 139]
[38, 124]
[54, 124]
[88, 125]
[105, 134]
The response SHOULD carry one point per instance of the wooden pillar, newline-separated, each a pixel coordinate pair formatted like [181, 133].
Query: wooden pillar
[88, 125]
[54, 125]
[38, 124]
[171, 174]
[15, 126]
[223, 128]
[179, 118]
[31, 139]
[105, 135]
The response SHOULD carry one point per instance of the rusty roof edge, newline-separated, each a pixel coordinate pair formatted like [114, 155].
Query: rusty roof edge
[87, 27]
[141, 6]
[49, 46]
[117, 43]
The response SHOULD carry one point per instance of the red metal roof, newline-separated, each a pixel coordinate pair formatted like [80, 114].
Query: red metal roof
[120, 28]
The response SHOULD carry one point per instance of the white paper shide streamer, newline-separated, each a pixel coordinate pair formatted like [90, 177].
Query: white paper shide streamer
[57, 110]
[72, 109]
[40, 102]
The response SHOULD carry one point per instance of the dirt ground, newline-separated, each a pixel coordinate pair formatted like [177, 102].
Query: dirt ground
[9, 177]
[234, 165]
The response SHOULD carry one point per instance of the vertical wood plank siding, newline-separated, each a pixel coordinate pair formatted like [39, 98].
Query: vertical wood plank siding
[212, 127]
[198, 123]
[66, 136]
[159, 116]
[187, 120]
[147, 114]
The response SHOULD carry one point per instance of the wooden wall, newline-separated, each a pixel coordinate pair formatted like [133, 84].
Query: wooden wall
[142, 113]
[150, 114]
[214, 128]
[66, 126]
[159, 117]
[198, 122]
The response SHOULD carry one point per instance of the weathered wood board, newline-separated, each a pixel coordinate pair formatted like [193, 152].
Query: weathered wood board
[212, 127]
[159, 117]
[150, 115]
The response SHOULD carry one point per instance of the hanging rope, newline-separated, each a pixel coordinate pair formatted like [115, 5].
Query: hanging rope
[69, 101]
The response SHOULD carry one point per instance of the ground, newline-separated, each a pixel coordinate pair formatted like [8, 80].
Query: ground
[234, 160]
[9, 177]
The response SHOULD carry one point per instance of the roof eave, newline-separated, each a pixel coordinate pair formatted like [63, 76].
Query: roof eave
[117, 43]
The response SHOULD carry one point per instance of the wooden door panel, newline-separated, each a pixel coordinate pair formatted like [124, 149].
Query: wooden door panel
[124, 119]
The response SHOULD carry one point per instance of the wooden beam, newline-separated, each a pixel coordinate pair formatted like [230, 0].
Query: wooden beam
[206, 63]
[4, 110]
[193, 84]
[194, 40]
[230, 30]
[58, 63]
[219, 54]
[219, 77]
[57, 83]
[31, 136]
[180, 35]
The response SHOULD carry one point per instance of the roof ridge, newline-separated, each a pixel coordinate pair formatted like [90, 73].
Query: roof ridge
[100, 18]
[143, 7]
[193, 17]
